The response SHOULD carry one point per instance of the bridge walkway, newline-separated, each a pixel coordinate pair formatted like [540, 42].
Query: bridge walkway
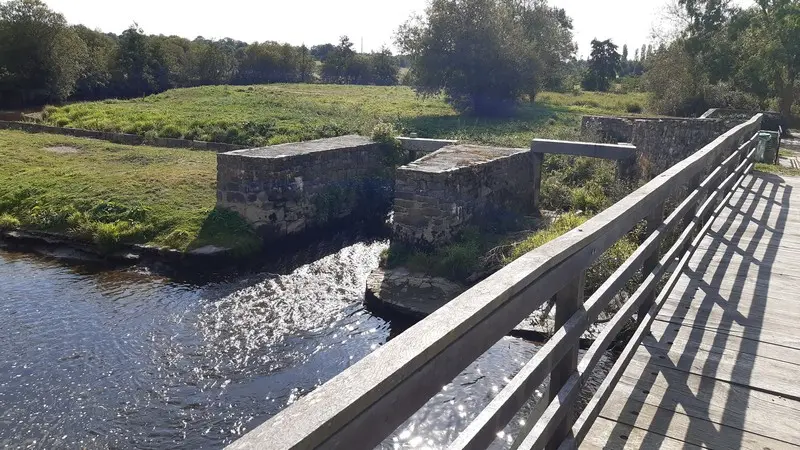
[721, 367]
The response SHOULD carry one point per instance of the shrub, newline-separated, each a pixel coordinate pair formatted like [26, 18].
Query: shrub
[8, 222]
[555, 195]
[633, 108]
[589, 198]
[170, 131]
[723, 95]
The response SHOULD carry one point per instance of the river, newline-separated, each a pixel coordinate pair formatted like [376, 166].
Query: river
[98, 357]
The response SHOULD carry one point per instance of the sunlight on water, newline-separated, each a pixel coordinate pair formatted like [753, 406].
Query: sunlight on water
[97, 358]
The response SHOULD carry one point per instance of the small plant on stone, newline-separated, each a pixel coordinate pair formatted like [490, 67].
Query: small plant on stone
[385, 134]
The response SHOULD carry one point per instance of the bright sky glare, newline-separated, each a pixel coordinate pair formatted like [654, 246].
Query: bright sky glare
[320, 21]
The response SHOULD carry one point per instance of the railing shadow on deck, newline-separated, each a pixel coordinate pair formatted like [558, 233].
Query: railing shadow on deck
[696, 401]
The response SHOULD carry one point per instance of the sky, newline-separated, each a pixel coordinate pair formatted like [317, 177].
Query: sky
[313, 22]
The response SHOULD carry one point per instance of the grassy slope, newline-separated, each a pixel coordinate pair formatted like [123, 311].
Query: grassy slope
[109, 193]
[271, 114]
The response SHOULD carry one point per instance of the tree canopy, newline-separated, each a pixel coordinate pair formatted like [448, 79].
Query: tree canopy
[753, 51]
[44, 59]
[485, 54]
[604, 64]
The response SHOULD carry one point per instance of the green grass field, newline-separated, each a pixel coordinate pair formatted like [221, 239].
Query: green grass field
[278, 113]
[110, 194]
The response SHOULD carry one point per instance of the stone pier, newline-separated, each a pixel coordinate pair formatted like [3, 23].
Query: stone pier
[290, 188]
[439, 195]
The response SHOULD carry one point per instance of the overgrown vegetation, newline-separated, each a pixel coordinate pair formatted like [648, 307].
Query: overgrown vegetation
[278, 113]
[475, 254]
[111, 194]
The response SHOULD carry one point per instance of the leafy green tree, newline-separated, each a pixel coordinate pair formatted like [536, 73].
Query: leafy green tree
[550, 32]
[757, 49]
[384, 68]
[95, 79]
[604, 65]
[338, 61]
[477, 52]
[675, 82]
[210, 62]
[40, 57]
[321, 52]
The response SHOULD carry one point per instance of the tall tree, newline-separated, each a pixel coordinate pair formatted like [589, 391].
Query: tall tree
[40, 58]
[384, 67]
[481, 53]
[757, 49]
[550, 32]
[604, 64]
[338, 61]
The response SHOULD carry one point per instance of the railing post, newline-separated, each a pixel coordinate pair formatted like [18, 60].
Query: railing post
[568, 301]
[538, 160]
[654, 221]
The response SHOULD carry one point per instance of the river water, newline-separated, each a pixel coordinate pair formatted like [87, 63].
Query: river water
[93, 357]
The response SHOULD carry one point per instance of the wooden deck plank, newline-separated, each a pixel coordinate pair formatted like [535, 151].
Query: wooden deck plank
[741, 368]
[679, 338]
[608, 434]
[720, 369]
[661, 423]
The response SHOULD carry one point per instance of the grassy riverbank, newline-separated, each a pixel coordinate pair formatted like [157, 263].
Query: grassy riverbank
[110, 194]
[278, 113]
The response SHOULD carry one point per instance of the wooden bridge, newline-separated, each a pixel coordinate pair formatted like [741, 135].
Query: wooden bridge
[713, 361]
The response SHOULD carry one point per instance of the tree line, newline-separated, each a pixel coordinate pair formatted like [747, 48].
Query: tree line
[43, 59]
[483, 55]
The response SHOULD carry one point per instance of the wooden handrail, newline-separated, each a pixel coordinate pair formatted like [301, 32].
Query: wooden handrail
[365, 403]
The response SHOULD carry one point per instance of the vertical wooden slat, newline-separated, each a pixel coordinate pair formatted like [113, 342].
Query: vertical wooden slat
[538, 160]
[654, 221]
[568, 301]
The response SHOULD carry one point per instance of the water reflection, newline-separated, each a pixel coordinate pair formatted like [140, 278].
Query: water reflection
[96, 358]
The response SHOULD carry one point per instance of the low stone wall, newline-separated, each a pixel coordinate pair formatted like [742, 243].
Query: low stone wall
[120, 138]
[437, 196]
[661, 143]
[607, 129]
[291, 188]
[772, 120]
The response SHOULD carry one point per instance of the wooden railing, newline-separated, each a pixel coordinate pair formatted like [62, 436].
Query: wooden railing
[361, 406]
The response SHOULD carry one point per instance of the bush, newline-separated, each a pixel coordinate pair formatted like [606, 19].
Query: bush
[8, 222]
[633, 108]
[589, 198]
[170, 131]
[723, 95]
[555, 195]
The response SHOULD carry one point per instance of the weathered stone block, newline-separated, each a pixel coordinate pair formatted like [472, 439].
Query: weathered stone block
[465, 185]
[289, 188]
